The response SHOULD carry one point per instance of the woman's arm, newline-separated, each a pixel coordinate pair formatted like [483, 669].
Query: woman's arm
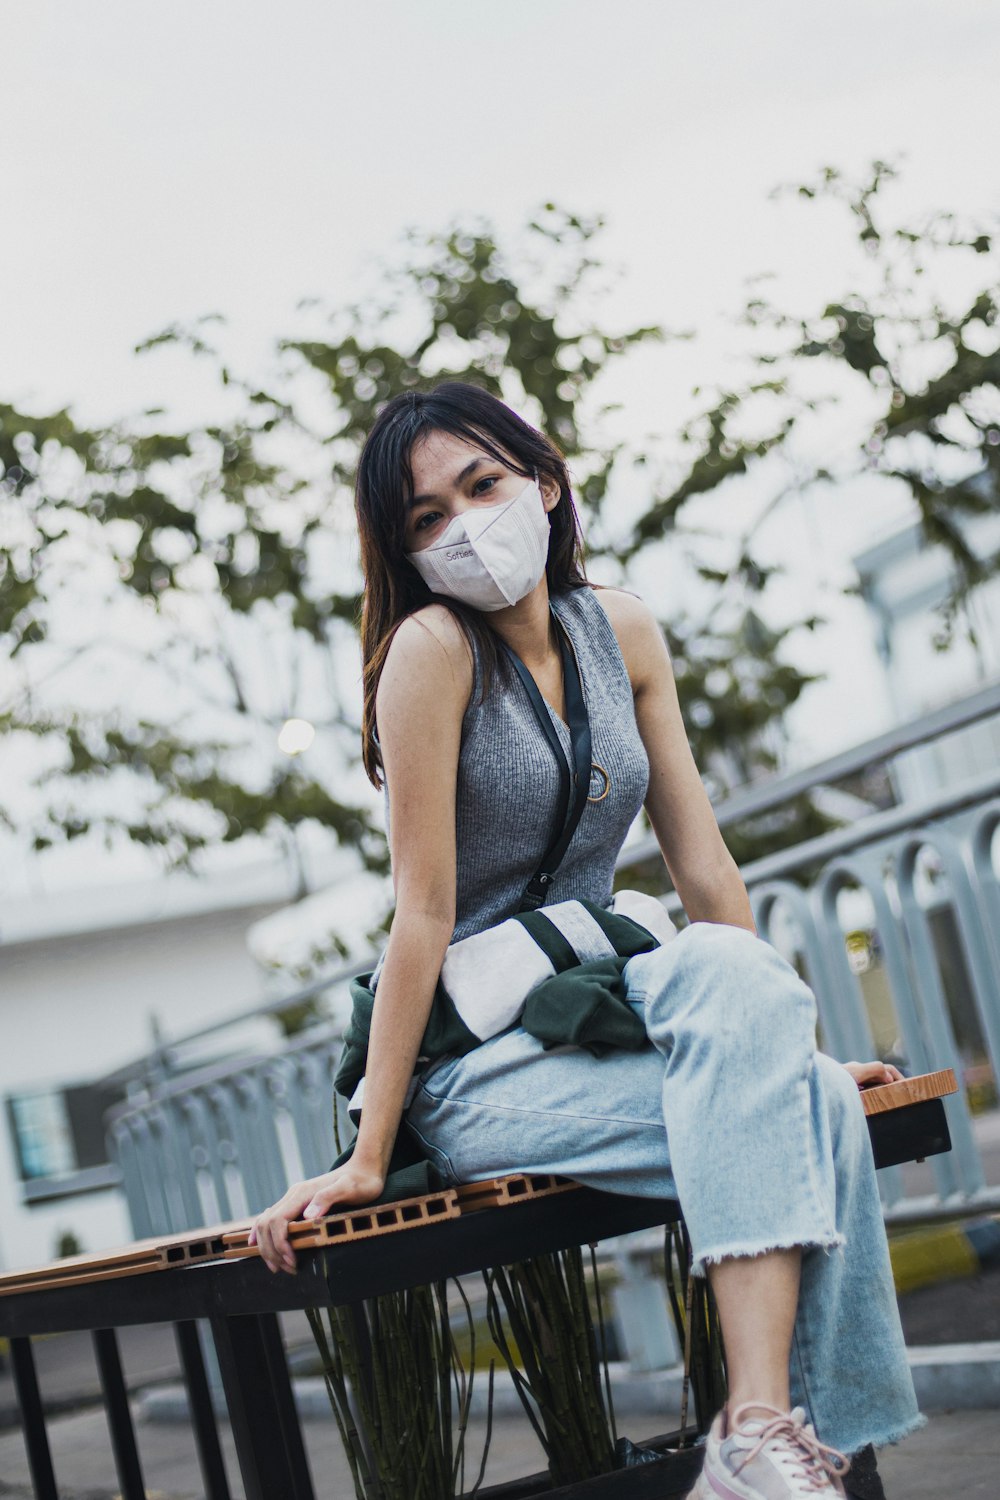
[703, 871]
[422, 697]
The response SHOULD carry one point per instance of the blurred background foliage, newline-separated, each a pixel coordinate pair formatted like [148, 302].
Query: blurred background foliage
[169, 599]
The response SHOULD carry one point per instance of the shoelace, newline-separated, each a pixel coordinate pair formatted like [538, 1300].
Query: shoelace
[818, 1462]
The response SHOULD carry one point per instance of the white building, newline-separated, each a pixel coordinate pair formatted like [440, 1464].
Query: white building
[903, 582]
[91, 980]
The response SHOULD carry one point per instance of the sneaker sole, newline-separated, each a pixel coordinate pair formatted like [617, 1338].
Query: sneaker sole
[705, 1489]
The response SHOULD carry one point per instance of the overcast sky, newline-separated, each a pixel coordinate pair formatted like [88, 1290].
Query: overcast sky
[161, 162]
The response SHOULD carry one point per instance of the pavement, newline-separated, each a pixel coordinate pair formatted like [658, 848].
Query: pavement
[958, 1453]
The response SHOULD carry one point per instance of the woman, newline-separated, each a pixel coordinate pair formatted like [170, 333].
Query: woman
[471, 551]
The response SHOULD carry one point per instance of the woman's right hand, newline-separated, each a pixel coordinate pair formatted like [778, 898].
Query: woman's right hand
[349, 1186]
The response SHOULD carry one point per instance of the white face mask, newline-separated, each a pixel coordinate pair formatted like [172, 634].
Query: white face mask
[492, 556]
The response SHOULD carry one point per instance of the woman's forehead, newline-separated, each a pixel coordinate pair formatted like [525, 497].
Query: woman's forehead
[437, 458]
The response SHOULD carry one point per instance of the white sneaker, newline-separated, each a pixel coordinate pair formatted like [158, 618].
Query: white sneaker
[770, 1455]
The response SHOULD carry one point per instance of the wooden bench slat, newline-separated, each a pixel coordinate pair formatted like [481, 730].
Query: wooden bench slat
[501, 1192]
[886, 1096]
[356, 1223]
[129, 1260]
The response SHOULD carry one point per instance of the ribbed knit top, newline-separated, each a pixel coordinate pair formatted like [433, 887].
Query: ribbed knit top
[508, 781]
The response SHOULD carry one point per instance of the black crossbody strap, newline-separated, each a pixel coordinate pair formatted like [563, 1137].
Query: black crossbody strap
[574, 782]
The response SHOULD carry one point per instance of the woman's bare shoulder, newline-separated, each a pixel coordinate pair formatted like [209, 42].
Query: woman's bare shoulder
[429, 652]
[640, 638]
[625, 608]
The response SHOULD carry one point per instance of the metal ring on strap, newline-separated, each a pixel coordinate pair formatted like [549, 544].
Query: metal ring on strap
[607, 782]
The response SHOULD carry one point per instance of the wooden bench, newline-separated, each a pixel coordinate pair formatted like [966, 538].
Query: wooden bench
[346, 1258]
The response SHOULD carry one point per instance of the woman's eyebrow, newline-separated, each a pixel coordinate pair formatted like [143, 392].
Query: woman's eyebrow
[459, 479]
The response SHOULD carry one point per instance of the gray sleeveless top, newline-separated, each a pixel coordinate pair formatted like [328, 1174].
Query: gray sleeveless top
[508, 782]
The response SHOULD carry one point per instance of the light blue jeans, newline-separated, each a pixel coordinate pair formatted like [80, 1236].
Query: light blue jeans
[731, 1110]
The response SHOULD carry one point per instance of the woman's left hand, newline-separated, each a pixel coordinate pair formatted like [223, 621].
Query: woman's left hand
[871, 1074]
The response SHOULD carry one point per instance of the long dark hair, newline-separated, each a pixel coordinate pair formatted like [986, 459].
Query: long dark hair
[393, 588]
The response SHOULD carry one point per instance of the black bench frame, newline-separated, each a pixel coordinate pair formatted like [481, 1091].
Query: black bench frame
[241, 1300]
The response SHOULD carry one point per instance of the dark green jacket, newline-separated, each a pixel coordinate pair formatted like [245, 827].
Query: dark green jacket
[583, 1004]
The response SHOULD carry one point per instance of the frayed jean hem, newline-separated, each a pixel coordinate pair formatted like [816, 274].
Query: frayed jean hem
[756, 1248]
[853, 1441]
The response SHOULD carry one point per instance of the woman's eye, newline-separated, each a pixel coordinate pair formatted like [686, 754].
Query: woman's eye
[483, 486]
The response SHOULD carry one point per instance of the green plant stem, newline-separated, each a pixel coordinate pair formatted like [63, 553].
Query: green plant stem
[395, 1362]
[548, 1313]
